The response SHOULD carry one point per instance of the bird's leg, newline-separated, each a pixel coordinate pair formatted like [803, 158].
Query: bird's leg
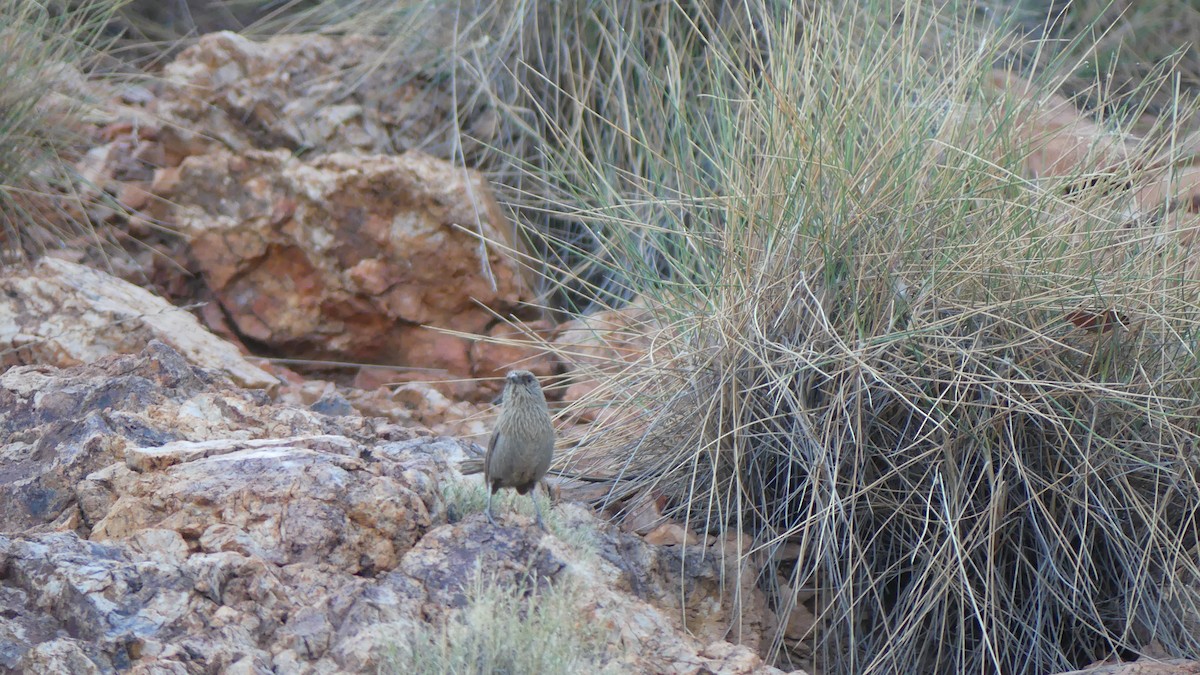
[489, 509]
[537, 509]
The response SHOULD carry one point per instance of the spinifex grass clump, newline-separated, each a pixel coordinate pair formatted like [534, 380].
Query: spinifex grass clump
[45, 50]
[964, 399]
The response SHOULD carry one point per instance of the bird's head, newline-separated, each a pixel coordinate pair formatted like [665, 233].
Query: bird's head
[519, 384]
[519, 378]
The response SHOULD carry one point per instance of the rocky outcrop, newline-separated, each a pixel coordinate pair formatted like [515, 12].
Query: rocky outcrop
[350, 257]
[158, 519]
[344, 254]
[306, 92]
[62, 314]
[59, 426]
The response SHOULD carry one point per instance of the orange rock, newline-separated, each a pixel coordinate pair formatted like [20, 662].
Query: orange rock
[672, 534]
[645, 517]
[513, 348]
[603, 343]
[578, 390]
[606, 339]
[370, 378]
[133, 196]
[800, 623]
[347, 257]
[165, 180]
[1060, 140]
[444, 416]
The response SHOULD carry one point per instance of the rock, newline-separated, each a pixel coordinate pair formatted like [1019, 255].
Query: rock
[607, 339]
[643, 516]
[60, 426]
[234, 610]
[129, 158]
[663, 575]
[334, 404]
[370, 378]
[731, 658]
[331, 258]
[800, 623]
[673, 534]
[444, 564]
[63, 655]
[430, 407]
[422, 406]
[284, 504]
[305, 92]
[187, 526]
[63, 314]
[1059, 140]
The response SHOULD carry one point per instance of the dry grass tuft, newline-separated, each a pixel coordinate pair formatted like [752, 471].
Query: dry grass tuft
[506, 630]
[46, 51]
[1130, 44]
[889, 348]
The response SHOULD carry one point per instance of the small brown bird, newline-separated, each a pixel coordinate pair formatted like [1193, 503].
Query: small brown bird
[522, 443]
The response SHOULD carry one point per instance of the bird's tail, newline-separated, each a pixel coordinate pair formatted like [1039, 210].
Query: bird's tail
[470, 467]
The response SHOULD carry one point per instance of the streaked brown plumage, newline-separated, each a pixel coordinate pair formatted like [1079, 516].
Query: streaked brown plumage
[522, 443]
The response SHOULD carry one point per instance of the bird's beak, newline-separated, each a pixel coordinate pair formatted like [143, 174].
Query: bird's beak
[499, 399]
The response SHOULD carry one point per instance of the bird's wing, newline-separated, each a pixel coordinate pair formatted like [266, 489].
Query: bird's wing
[487, 458]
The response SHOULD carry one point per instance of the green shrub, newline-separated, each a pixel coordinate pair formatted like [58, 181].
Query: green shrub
[506, 630]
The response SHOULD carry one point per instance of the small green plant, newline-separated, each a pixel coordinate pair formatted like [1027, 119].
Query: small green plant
[468, 497]
[506, 629]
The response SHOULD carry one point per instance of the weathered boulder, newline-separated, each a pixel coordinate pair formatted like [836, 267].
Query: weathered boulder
[59, 426]
[204, 612]
[62, 314]
[309, 499]
[306, 92]
[350, 257]
[342, 255]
